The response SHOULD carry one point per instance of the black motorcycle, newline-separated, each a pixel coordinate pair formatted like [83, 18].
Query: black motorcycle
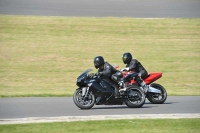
[95, 90]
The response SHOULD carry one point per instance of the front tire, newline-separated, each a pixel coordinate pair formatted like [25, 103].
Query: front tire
[135, 98]
[157, 98]
[86, 102]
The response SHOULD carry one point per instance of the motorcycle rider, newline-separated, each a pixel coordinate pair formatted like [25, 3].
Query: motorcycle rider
[133, 65]
[106, 71]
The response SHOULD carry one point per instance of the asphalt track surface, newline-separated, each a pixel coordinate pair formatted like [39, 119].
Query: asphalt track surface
[23, 110]
[104, 8]
[64, 106]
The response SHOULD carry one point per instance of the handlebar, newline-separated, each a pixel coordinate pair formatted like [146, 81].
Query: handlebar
[94, 75]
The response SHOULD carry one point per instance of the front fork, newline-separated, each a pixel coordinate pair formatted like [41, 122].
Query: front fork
[85, 91]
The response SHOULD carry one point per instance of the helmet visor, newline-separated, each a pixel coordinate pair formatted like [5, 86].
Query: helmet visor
[96, 64]
[124, 59]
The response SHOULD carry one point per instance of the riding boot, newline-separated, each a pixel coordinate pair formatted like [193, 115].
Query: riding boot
[144, 86]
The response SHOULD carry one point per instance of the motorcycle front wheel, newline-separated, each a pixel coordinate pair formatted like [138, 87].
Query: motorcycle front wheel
[83, 102]
[135, 98]
[157, 98]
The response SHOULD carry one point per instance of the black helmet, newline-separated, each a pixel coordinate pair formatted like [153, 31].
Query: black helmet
[127, 57]
[98, 61]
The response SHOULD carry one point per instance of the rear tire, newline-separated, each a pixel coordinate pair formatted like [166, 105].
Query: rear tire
[83, 102]
[157, 98]
[135, 98]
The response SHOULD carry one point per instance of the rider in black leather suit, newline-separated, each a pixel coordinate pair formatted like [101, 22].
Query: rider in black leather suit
[106, 71]
[134, 65]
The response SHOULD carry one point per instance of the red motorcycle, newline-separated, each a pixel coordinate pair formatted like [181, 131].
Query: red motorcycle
[155, 93]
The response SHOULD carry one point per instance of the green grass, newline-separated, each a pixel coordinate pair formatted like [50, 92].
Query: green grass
[42, 56]
[109, 126]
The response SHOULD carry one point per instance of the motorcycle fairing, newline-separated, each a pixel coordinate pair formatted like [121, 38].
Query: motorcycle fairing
[151, 78]
[80, 78]
[96, 86]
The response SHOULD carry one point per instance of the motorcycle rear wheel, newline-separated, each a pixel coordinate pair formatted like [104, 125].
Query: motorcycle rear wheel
[135, 98]
[157, 98]
[83, 102]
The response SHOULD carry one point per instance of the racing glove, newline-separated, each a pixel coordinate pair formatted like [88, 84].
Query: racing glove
[125, 69]
[100, 73]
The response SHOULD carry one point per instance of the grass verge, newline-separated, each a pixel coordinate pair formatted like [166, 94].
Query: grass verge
[109, 126]
[42, 56]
